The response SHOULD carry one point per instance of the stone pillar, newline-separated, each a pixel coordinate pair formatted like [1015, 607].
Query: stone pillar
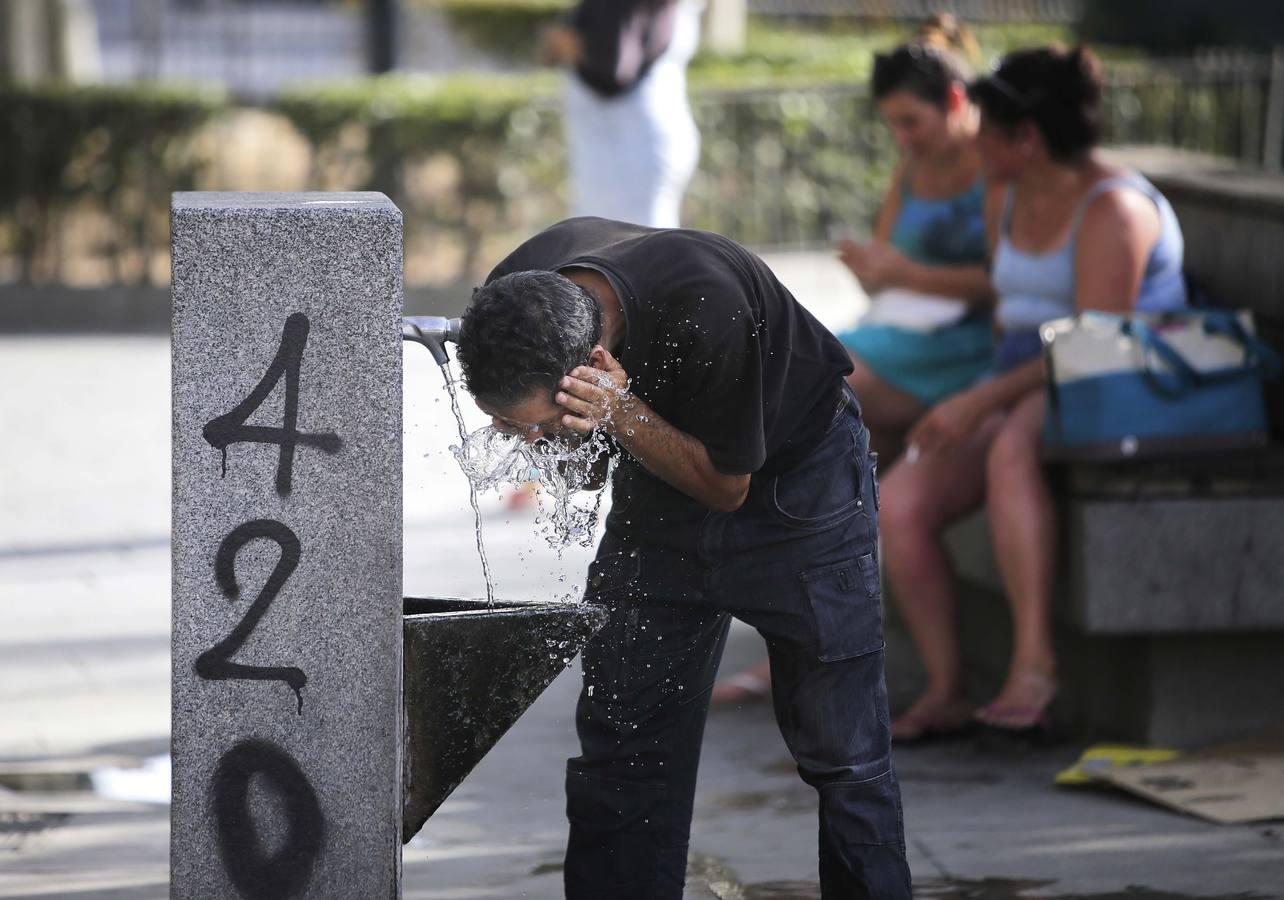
[286, 538]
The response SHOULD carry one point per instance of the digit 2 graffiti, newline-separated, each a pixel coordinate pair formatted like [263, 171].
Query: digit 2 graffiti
[216, 663]
[257, 873]
[230, 428]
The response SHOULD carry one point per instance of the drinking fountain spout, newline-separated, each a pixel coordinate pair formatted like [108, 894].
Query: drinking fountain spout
[432, 332]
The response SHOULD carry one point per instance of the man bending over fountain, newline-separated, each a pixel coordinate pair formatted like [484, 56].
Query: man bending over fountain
[743, 487]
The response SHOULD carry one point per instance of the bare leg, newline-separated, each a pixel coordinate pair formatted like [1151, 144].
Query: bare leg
[919, 500]
[1023, 528]
[889, 412]
[751, 685]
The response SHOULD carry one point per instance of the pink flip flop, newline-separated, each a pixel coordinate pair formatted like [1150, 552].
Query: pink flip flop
[1033, 724]
[916, 728]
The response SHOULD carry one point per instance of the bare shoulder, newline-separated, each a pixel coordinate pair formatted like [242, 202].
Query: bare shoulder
[1122, 211]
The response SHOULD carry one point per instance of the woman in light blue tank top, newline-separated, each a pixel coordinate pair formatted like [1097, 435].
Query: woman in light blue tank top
[1075, 233]
[1037, 287]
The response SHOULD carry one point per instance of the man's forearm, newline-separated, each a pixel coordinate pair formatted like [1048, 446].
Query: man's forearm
[676, 457]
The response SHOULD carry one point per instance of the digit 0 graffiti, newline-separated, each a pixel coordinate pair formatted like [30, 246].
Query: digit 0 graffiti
[257, 873]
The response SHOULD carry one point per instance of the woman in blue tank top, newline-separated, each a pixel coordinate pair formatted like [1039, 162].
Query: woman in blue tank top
[930, 239]
[929, 243]
[1074, 233]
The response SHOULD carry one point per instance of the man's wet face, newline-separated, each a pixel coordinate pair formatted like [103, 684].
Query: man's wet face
[534, 418]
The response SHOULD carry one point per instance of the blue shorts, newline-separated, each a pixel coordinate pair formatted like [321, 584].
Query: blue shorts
[929, 366]
[1016, 348]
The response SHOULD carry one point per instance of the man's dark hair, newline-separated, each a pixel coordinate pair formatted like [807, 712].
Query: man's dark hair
[1058, 90]
[523, 332]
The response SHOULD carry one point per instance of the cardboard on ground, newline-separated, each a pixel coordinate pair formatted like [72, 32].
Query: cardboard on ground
[1231, 783]
[1226, 789]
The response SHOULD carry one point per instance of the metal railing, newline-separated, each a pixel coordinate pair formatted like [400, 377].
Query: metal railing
[1225, 104]
[788, 166]
[255, 49]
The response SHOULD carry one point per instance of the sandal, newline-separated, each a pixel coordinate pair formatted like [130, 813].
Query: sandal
[1023, 722]
[1036, 730]
[920, 727]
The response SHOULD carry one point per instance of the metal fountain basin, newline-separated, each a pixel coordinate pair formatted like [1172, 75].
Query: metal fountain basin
[469, 671]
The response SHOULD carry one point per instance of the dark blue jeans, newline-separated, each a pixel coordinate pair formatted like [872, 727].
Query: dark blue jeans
[798, 562]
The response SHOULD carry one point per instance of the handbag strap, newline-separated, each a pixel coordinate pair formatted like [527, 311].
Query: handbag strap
[1258, 354]
[1259, 357]
[1152, 344]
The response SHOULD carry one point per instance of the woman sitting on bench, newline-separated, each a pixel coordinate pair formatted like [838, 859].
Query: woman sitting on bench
[926, 259]
[1075, 233]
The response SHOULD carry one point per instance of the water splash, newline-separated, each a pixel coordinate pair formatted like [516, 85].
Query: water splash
[563, 466]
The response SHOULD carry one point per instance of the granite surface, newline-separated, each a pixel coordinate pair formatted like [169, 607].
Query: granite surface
[286, 545]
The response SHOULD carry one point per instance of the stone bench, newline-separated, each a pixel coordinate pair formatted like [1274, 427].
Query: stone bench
[1170, 588]
[1169, 621]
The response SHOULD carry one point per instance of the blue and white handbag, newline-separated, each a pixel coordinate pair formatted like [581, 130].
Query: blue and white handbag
[1154, 384]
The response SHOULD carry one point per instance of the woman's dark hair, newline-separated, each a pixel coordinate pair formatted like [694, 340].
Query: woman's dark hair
[1057, 90]
[929, 65]
[523, 332]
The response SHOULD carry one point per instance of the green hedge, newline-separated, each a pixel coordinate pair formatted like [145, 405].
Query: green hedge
[791, 141]
[505, 28]
[791, 144]
[497, 129]
[123, 149]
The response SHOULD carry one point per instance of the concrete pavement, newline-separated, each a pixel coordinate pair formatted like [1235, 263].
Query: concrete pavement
[84, 666]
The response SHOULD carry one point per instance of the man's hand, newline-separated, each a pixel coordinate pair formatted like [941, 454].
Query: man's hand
[877, 265]
[596, 395]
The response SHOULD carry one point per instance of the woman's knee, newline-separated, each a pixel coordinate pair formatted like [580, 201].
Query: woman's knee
[1013, 460]
[907, 507]
[886, 408]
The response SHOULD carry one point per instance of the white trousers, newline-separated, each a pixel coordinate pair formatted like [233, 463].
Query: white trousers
[632, 156]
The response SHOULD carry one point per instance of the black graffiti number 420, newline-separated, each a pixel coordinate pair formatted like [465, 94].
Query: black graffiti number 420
[216, 664]
[231, 428]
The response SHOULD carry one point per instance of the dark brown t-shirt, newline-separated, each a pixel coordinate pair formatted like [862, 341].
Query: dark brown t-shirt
[714, 344]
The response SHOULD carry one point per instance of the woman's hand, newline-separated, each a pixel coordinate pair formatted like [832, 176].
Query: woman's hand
[876, 264]
[946, 424]
[596, 395]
